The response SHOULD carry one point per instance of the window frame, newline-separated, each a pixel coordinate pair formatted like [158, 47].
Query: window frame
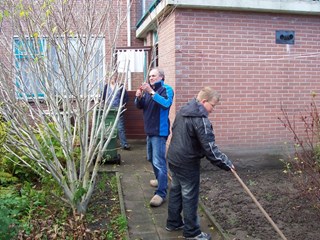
[26, 52]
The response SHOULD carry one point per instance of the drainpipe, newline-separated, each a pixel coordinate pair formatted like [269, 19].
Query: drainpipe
[143, 7]
[129, 38]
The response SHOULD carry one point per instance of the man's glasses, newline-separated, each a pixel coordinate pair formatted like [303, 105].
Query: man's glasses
[212, 104]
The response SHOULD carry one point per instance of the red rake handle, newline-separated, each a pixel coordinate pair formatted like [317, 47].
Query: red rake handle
[258, 204]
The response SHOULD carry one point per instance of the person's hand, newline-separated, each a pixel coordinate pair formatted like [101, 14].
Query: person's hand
[233, 168]
[228, 167]
[146, 88]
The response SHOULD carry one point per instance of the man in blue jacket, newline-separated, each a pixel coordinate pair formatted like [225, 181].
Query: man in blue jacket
[192, 139]
[155, 98]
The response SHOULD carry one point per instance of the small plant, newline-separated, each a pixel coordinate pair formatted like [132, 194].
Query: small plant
[114, 184]
[3, 133]
[102, 183]
[269, 197]
[7, 178]
[17, 208]
[232, 221]
[9, 164]
[119, 223]
[8, 225]
[252, 182]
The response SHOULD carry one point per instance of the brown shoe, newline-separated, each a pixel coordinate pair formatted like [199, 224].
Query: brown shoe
[156, 201]
[154, 183]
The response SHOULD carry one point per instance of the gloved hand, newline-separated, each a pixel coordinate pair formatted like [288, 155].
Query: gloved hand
[228, 167]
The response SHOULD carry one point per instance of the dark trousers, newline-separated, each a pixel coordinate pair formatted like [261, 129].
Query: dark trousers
[184, 197]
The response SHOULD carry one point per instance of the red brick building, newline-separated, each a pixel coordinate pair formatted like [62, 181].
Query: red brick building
[257, 54]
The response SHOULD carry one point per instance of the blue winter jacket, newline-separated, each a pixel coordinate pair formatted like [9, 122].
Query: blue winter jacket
[156, 109]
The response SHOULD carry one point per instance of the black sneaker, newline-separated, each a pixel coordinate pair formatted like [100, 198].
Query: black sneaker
[171, 229]
[201, 236]
[126, 147]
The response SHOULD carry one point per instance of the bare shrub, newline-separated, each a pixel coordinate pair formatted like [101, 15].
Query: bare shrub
[304, 164]
[56, 58]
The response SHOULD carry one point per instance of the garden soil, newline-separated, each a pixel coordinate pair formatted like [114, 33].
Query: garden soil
[240, 217]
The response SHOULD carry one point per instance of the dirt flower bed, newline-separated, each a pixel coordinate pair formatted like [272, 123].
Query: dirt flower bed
[240, 217]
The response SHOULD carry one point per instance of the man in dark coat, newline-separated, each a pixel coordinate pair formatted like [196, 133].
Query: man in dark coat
[155, 99]
[192, 139]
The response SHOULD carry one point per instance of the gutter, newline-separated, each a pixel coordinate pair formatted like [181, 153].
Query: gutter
[147, 13]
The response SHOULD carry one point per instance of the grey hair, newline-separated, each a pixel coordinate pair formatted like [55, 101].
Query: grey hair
[160, 71]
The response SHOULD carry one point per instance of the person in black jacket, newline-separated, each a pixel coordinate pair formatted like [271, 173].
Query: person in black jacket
[192, 139]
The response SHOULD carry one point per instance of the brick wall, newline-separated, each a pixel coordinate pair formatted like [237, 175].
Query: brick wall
[148, 4]
[166, 43]
[235, 53]
[136, 14]
[137, 79]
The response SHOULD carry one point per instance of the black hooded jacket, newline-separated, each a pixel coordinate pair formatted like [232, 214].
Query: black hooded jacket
[193, 138]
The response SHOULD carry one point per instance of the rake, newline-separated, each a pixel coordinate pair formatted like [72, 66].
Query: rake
[259, 205]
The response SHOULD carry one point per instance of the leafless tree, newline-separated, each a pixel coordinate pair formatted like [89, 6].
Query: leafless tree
[56, 56]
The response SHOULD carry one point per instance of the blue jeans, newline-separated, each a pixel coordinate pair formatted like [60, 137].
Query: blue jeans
[122, 131]
[156, 154]
[184, 196]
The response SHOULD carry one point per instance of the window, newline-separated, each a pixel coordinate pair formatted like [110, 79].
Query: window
[75, 67]
[26, 52]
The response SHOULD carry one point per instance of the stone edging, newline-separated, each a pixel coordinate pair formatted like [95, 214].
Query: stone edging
[121, 201]
[213, 220]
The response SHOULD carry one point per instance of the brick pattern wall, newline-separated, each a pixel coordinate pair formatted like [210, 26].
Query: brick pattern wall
[136, 80]
[136, 14]
[166, 36]
[149, 39]
[148, 4]
[235, 53]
